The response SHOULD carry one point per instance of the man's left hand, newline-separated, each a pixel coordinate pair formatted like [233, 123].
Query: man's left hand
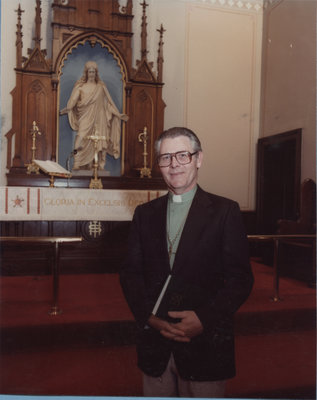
[190, 324]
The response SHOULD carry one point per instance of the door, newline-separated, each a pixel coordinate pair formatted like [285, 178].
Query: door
[278, 179]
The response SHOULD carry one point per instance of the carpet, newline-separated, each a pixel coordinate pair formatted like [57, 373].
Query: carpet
[88, 350]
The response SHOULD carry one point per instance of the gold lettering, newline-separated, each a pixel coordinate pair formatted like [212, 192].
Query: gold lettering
[58, 202]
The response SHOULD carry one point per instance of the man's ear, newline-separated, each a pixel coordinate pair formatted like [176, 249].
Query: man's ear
[199, 159]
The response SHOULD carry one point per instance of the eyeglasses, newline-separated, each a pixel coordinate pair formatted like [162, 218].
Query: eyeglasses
[182, 157]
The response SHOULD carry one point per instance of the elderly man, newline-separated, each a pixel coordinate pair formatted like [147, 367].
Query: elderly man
[186, 273]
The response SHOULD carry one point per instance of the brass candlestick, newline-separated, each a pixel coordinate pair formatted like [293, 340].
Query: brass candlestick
[145, 171]
[52, 180]
[95, 182]
[32, 167]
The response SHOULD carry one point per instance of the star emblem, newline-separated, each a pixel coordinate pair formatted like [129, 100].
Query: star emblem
[17, 202]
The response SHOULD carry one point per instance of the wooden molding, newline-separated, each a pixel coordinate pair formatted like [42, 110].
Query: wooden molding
[35, 97]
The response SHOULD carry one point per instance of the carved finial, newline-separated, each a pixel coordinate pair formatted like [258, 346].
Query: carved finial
[19, 43]
[160, 58]
[125, 9]
[129, 7]
[38, 21]
[143, 31]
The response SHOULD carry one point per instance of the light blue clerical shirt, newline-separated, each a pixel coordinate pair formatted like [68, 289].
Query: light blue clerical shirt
[177, 210]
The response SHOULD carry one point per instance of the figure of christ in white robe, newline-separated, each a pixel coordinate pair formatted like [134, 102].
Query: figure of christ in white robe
[91, 111]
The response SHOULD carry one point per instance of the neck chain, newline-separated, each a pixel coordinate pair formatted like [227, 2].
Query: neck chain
[172, 241]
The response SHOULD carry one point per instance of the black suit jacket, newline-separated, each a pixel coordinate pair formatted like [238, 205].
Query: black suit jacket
[211, 275]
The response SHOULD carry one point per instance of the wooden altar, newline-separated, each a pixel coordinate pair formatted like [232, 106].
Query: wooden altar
[77, 23]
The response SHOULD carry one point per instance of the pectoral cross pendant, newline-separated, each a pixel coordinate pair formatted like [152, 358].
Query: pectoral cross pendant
[170, 250]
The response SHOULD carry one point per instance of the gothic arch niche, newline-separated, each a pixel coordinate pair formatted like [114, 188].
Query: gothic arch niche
[104, 28]
[112, 72]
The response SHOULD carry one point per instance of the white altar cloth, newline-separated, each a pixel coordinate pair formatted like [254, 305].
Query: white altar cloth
[65, 204]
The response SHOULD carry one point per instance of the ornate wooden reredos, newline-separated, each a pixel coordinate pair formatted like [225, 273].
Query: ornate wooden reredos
[36, 95]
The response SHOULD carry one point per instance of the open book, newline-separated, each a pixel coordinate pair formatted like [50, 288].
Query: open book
[52, 168]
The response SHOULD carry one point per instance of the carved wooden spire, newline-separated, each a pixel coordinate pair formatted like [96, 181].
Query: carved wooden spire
[127, 9]
[38, 21]
[129, 6]
[19, 43]
[144, 50]
[160, 58]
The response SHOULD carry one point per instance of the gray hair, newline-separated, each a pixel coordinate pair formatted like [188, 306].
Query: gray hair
[176, 132]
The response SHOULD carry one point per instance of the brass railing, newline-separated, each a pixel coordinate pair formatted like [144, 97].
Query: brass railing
[55, 241]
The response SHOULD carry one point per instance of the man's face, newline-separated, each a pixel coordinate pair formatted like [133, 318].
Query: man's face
[180, 178]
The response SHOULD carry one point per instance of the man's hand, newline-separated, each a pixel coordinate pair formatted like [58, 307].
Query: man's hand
[167, 329]
[190, 324]
[189, 327]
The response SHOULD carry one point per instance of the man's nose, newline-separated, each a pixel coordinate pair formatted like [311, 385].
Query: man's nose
[174, 162]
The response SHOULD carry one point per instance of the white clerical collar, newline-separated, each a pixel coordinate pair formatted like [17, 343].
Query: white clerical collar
[181, 198]
[177, 198]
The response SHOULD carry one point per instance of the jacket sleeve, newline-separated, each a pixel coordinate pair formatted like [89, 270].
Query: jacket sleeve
[238, 277]
[131, 274]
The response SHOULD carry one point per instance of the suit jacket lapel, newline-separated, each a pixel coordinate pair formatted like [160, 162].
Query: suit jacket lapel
[158, 222]
[195, 222]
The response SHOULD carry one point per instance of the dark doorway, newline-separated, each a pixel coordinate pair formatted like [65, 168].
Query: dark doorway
[278, 179]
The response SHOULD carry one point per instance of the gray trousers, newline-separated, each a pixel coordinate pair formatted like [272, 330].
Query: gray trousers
[170, 384]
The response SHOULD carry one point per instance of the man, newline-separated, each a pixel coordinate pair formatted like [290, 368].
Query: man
[186, 273]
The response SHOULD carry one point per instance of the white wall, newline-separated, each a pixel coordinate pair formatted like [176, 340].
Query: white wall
[212, 76]
[223, 95]
[289, 90]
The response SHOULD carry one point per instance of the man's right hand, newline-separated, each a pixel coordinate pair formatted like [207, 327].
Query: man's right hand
[167, 329]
